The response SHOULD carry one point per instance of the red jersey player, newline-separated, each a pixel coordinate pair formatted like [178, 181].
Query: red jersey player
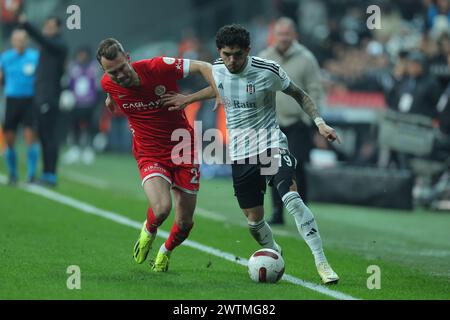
[135, 89]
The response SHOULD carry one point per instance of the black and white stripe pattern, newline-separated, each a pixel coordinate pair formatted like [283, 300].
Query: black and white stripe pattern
[265, 64]
[218, 61]
[251, 115]
[290, 196]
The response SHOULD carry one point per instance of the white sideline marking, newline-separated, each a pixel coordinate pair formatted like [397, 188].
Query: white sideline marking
[395, 248]
[90, 209]
[86, 180]
[205, 213]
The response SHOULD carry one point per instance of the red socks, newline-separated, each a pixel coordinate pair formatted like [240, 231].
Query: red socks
[177, 236]
[152, 225]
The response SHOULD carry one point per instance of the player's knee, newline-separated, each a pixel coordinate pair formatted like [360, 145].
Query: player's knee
[28, 136]
[254, 216]
[184, 224]
[285, 186]
[161, 210]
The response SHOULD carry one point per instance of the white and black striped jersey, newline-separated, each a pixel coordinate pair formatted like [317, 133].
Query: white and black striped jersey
[249, 100]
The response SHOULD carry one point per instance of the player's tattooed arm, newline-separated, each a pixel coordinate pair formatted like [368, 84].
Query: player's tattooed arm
[303, 99]
[310, 108]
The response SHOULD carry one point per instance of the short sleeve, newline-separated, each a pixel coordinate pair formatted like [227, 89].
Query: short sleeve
[174, 67]
[279, 80]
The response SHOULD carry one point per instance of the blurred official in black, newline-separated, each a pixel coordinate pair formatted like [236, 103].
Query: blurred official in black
[53, 53]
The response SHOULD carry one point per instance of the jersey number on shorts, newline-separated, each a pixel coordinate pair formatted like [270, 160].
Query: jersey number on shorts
[288, 160]
[194, 179]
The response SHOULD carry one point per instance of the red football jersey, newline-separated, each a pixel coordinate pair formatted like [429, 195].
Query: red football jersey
[150, 123]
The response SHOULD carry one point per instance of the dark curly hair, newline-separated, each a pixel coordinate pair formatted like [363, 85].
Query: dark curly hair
[233, 35]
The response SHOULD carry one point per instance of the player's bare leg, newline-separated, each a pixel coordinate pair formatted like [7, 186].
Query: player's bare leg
[184, 208]
[29, 136]
[260, 229]
[11, 156]
[184, 212]
[32, 153]
[307, 227]
[157, 191]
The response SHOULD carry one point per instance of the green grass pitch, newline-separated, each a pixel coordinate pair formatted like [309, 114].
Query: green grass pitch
[40, 238]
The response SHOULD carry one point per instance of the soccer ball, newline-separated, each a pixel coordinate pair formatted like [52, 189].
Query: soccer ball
[266, 265]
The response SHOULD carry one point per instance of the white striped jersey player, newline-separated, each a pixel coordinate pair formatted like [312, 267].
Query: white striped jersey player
[249, 100]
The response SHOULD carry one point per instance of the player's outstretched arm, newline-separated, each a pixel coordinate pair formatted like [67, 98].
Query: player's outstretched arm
[205, 69]
[53, 44]
[177, 101]
[310, 108]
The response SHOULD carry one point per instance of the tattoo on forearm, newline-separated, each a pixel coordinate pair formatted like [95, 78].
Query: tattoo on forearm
[303, 99]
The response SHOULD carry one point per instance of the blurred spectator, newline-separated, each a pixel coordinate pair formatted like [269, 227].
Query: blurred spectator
[303, 69]
[391, 22]
[400, 68]
[438, 17]
[417, 92]
[83, 79]
[399, 73]
[438, 65]
[428, 47]
[17, 71]
[407, 37]
[376, 76]
[443, 108]
[53, 52]
[353, 25]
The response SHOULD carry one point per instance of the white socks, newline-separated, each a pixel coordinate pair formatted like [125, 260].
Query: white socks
[306, 224]
[163, 249]
[262, 233]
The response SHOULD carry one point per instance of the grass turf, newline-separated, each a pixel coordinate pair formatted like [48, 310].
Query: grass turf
[41, 238]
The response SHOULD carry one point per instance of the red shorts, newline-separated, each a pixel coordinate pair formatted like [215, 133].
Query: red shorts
[184, 178]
